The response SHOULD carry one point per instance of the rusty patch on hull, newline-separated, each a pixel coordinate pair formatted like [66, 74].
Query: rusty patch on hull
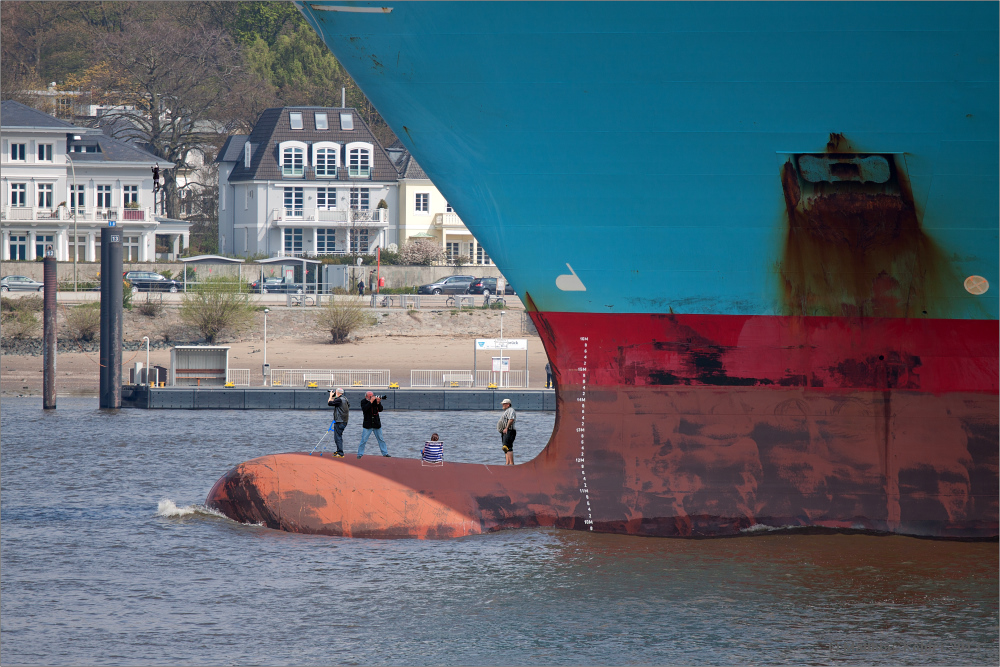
[888, 436]
[855, 247]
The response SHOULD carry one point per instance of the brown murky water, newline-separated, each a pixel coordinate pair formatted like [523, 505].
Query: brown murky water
[107, 558]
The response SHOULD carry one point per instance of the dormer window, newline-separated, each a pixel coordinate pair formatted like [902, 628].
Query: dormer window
[346, 121]
[325, 154]
[293, 158]
[321, 121]
[295, 119]
[359, 156]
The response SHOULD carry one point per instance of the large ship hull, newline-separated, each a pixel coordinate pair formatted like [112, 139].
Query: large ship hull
[754, 238]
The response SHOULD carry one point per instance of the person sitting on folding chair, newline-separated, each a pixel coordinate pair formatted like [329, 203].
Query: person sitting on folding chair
[433, 451]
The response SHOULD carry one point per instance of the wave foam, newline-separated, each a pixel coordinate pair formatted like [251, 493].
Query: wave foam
[169, 508]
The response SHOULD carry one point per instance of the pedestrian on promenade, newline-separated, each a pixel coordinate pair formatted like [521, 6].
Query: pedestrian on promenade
[371, 405]
[341, 413]
[548, 375]
[433, 451]
[507, 431]
[361, 287]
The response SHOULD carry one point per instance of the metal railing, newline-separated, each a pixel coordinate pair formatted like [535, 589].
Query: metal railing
[505, 379]
[324, 377]
[441, 378]
[83, 214]
[239, 377]
[376, 217]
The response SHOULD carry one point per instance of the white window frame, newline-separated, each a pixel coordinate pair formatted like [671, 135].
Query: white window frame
[287, 152]
[360, 199]
[422, 203]
[45, 152]
[346, 121]
[130, 248]
[19, 195]
[18, 249]
[294, 116]
[292, 237]
[330, 148]
[78, 198]
[326, 241]
[104, 196]
[359, 159]
[359, 240]
[321, 118]
[18, 152]
[328, 197]
[41, 240]
[130, 193]
[294, 196]
[43, 192]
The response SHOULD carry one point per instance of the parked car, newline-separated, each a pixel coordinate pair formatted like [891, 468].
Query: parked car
[20, 283]
[148, 281]
[449, 285]
[275, 286]
[488, 286]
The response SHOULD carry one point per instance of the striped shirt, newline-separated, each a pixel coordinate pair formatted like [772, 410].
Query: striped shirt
[433, 451]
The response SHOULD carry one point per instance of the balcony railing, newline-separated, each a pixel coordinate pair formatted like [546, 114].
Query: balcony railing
[34, 213]
[448, 221]
[377, 217]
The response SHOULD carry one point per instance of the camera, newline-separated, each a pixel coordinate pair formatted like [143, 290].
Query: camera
[383, 397]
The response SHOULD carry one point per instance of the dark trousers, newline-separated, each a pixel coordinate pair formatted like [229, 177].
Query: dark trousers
[548, 380]
[507, 440]
[338, 435]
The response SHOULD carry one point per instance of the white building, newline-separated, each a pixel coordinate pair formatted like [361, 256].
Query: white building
[306, 181]
[425, 215]
[62, 183]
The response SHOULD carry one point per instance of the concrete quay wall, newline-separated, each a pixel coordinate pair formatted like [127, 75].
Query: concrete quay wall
[279, 398]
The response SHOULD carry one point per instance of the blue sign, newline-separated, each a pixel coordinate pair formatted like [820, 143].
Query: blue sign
[111, 223]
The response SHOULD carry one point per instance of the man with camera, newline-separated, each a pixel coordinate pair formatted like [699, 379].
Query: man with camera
[371, 405]
[341, 413]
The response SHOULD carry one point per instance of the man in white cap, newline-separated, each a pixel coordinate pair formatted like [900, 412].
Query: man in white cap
[507, 430]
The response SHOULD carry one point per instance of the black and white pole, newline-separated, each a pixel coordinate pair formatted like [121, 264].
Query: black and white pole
[50, 278]
[111, 317]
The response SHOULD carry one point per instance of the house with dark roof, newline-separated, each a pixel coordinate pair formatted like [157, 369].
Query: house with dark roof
[425, 215]
[62, 183]
[306, 181]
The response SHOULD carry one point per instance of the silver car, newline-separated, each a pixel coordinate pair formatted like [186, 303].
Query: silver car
[20, 283]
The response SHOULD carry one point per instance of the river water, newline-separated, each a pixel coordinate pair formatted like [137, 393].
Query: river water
[107, 557]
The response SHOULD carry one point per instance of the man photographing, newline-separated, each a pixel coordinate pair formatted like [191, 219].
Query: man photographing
[341, 413]
[371, 405]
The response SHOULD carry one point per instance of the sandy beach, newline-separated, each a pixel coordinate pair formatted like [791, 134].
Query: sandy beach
[400, 341]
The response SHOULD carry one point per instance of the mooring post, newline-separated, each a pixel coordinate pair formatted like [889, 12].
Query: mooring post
[111, 317]
[50, 279]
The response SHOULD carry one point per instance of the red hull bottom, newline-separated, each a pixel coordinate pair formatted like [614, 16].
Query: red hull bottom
[698, 456]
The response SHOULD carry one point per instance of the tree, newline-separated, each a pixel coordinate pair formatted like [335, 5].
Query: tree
[217, 306]
[420, 253]
[341, 318]
[166, 83]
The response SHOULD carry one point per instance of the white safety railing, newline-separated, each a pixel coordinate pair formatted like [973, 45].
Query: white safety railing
[324, 377]
[441, 378]
[505, 379]
[239, 377]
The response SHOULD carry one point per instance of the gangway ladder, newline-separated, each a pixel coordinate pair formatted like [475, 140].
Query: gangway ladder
[328, 432]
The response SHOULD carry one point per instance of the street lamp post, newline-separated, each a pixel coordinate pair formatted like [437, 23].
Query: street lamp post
[146, 338]
[265, 369]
